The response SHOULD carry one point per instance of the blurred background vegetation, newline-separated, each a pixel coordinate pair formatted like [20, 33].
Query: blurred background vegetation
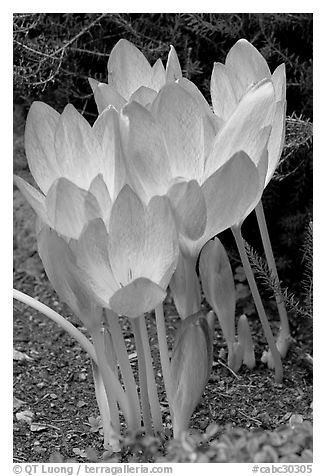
[54, 54]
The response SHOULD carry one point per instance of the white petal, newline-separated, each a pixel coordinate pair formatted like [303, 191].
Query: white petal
[276, 140]
[106, 129]
[105, 95]
[92, 257]
[99, 190]
[144, 96]
[158, 75]
[173, 68]
[223, 91]
[33, 196]
[60, 266]
[229, 192]
[247, 64]
[78, 150]
[212, 123]
[40, 128]
[242, 130]
[145, 153]
[279, 82]
[142, 240]
[138, 297]
[128, 69]
[162, 246]
[69, 208]
[127, 235]
[180, 118]
[189, 206]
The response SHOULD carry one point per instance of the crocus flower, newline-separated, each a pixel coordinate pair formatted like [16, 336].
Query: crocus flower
[172, 150]
[210, 177]
[129, 262]
[245, 66]
[132, 78]
[78, 168]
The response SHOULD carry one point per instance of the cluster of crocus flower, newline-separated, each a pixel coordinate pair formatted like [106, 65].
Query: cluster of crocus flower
[126, 207]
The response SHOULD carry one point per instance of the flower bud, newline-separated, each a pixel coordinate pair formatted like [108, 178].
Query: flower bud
[245, 340]
[218, 286]
[191, 365]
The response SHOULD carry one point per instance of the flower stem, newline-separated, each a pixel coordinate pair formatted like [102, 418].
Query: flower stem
[164, 353]
[58, 319]
[106, 373]
[284, 329]
[151, 384]
[259, 305]
[125, 368]
[110, 438]
[135, 323]
[110, 352]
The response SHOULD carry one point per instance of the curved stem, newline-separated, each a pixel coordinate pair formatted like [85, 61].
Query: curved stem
[151, 384]
[124, 364]
[284, 330]
[259, 305]
[58, 319]
[164, 352]
[135, 324]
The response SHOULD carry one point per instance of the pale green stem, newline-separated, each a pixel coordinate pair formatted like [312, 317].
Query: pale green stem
[125, 368]
[259, 305]
[164, 352]
[58, 319]
[110, 438]
[135, 324]
[109, 351]
[192, 295]
[107, 375]
[284, 330]
[151, 384]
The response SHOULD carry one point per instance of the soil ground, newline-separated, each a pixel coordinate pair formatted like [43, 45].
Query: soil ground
[56, 383]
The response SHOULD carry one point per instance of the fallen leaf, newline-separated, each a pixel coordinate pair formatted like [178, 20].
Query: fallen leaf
[20, 356]
[95, 424]
[38, 427]
[26, 415]
[79, 452]
[18, 403]
[81, 404]
[295, 419]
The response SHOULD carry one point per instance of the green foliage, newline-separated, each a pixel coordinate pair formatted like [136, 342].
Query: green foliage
[55, 53]
[291, 443]
[298, 305]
